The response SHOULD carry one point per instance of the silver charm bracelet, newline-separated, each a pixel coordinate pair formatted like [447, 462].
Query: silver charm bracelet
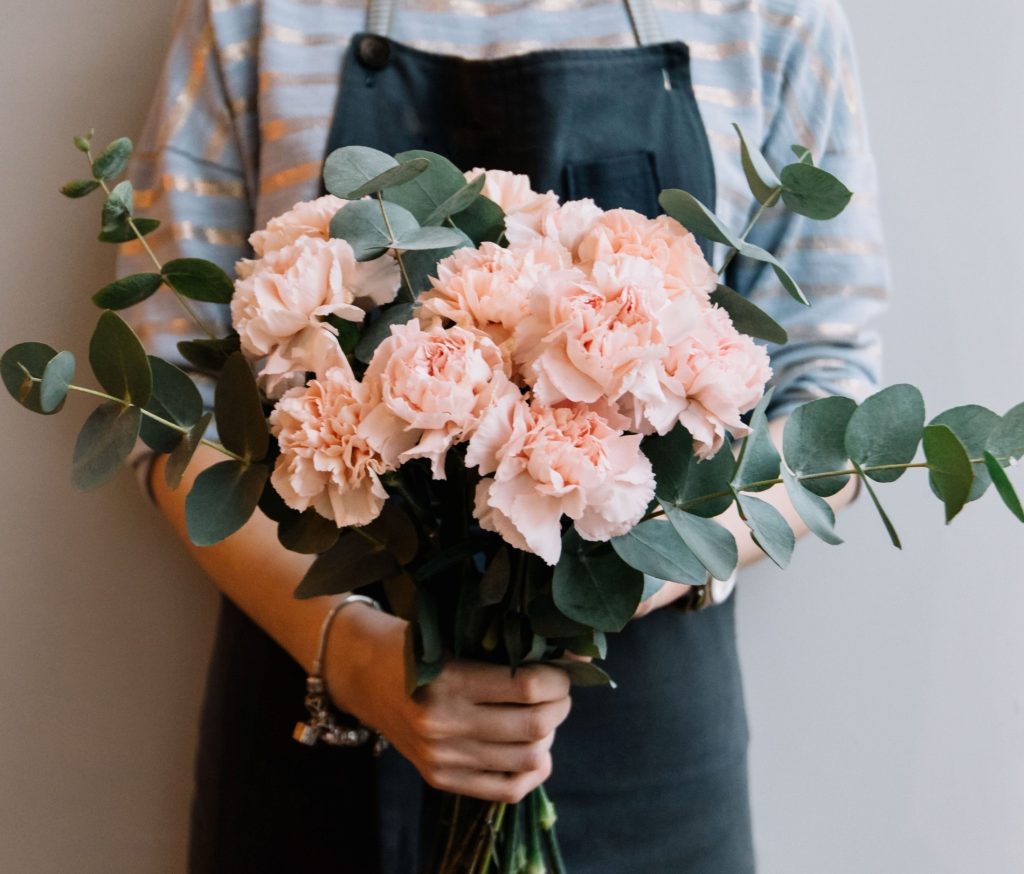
[321, 725]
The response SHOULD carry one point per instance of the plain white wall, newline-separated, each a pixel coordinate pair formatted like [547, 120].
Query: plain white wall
[885, 688]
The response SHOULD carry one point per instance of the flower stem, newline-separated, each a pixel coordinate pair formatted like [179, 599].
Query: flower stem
[410, 295]
[767, 205]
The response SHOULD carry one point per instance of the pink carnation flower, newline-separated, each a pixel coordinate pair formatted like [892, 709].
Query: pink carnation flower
[311, 218]
[513, 192]
[324, 463]
[552, 462]
[662, 241]
[567, 224]
[280, 305]
[430, 389]
[710, 379]
[488, 289]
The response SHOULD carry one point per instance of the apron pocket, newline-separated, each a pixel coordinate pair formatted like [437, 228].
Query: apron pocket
[627, 181]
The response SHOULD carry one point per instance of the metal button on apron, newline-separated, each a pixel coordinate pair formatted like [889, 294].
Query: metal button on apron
[374, 51]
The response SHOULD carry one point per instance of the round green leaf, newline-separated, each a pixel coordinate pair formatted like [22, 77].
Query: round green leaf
[483, 221]
[198, 279]
[119, 361]
[816, 513]
[209, 355]
[748, 318]
[346, 169]
[952, 473]
[460, 200]
[307, 533]
[972, 425]
[1007, 438]
[113, 160]
[176, 399]
[430, 190]
[352, 562]
[378, 331]
[655, 548]
[813, 192]
[181, 457]
[769, 528]
[670, 456]
[128, 291]
[421, 265]
[712, 544]
[83, 144]
[125, 234]
[222, 500]
[814, 442]
[20, 367]
[759, 460]
[118, 206]
[886, 430]
[361, 224]
[56, 380]
[593, 586]
[241, 424]
[104, 444]
[761, 179]
[393, 176]
[79, 188]
[426, 239]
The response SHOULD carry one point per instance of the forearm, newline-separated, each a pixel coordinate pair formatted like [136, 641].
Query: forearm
[251, 568]
[750, 552]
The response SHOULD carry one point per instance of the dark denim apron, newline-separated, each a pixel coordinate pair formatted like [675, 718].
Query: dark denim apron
[650, 777]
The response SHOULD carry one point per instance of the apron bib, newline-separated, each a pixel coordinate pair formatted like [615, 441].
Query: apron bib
[649, 777]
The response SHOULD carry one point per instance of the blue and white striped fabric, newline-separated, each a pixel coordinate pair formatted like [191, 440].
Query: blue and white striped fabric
[238, 129]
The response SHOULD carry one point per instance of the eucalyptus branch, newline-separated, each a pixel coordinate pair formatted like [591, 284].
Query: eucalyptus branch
[192, 314]
[398, 255]
[768, 483]
[767, 205]
[158, 419]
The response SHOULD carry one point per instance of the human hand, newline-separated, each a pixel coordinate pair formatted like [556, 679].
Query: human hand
[476, 730]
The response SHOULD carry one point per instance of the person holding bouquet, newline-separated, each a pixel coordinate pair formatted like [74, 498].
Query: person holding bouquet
[610, 101]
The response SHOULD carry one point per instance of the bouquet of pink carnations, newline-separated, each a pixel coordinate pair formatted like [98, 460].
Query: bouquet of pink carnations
[513, 416]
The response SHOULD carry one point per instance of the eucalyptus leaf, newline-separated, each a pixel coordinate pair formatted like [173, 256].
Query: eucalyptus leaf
[426, 239]
[118, 206]
[79, 188]
[712, 544]
[813, 192]
[104, 444]
[460, 200]
[814, 442]
[549, 621]
[421, 265]
[241, 424]
[378, 331]
[83, 144]
[653, 585]
[223, 498]
[176, 399]
[119, 361]
[392, 176]
[815, 511]
[593, 586]
[696, 217]
[483, 221]
[209, 355]
[770, 530]
[748, 318]
[886, 521]
[803, 154]
[181, 456]
[198, 279]
[1004, 486]
[973, 425]
[952, 474]
[57, 376]
[21, 367]
[128, 291]
[584, 675]
[593, 644]
[759, 460]
[749, 250]
[428, 627]
[125, 233]
[349, 168]
[761, 179]
[655, 548]
[113, 160]
[886, 430]
[1007, 438]
[670, 456]
[354, 561]
[361, 224]
[426, 193]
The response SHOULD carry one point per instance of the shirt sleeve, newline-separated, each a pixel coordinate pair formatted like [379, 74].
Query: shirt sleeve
[192, 170]
[841, 265]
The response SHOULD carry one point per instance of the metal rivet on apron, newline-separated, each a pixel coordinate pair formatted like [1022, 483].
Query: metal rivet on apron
[374, 52]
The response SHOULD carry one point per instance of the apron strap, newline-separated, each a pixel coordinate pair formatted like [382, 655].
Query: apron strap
[378, 16]
[645, 21]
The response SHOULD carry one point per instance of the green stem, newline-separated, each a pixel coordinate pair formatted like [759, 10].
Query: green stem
[495, 829]
[554, 850]
[192, 314]
[767, 205]
[409, 296]
[159, 419]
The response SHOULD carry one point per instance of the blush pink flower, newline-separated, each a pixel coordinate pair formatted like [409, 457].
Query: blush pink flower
[311, 218]
[567, 224]
[710, 380]
[549, 462]
[512, 191]
[488, 289]
[662, 241]
[430, 389]
[324, 462]
[601, 337]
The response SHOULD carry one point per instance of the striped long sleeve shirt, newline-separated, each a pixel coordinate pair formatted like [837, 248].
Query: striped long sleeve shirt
[238, 130]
